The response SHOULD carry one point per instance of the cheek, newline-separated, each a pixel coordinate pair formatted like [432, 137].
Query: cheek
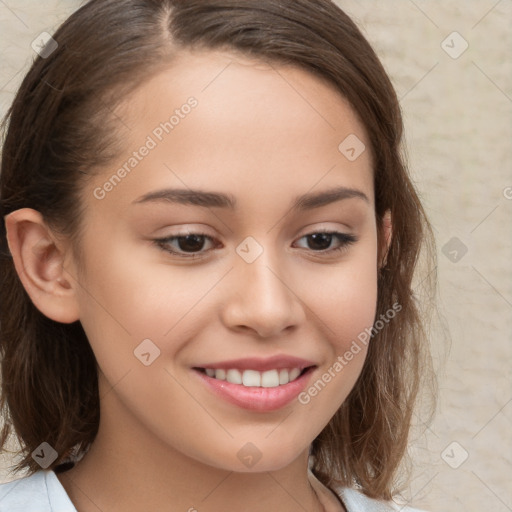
[344, 297]
[139, 296]
[126, 300]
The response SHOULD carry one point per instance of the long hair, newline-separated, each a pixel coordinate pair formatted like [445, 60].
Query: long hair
[60, 130]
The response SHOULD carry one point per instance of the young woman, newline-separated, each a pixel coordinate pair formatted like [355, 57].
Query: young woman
[207, 256]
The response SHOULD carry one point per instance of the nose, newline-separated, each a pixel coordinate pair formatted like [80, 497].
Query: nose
[262, 299]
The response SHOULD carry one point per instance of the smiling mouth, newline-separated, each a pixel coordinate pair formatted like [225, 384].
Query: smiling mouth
[253, 378]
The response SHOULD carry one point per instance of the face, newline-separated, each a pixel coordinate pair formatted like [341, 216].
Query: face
[233, 239]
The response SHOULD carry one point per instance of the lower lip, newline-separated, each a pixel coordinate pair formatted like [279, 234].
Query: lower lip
[257, 398]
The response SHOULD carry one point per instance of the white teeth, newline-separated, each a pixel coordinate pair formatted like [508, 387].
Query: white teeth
[284, 376]
[270, 379]
[294, 373]
[234, 376]
[219, 374]
[253, 378]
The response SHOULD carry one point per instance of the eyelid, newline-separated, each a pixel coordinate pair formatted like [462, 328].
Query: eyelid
[346, 240]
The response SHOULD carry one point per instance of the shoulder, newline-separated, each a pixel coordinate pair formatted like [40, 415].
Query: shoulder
[40, 492]
[356, 501]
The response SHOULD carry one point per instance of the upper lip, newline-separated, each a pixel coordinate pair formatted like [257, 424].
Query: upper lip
[260, 364]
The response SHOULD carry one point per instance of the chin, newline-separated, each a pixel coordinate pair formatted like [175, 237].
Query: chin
[249, 458]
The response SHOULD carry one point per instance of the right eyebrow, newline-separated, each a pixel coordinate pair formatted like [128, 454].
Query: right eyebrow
[191, 197]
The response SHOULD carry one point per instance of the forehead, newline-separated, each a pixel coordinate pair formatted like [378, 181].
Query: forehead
[219, 118]
[238, 84]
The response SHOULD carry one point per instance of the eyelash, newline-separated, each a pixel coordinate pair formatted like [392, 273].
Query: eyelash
[163, 243]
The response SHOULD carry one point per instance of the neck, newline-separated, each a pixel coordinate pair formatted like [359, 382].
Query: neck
[128, 469]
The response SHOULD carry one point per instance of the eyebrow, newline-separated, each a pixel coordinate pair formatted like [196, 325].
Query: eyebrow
[221, 200]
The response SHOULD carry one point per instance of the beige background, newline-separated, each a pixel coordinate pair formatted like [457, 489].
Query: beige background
[458, 114]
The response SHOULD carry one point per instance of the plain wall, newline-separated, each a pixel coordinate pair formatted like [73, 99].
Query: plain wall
[458, 117]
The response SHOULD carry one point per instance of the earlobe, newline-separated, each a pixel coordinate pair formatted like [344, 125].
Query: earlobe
[39, 262]
[387, 233]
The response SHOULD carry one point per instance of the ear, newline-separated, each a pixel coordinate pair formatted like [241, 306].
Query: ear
[386, 233]
[39, 261]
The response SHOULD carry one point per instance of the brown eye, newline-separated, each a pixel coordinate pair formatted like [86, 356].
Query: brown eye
[322, 241]
[187, 245]
[319, 241]
[191, 243]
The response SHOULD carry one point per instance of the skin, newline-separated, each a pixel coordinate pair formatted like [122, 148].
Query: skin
[263, 134]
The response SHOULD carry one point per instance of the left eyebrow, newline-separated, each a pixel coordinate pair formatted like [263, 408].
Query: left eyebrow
[221, 200]
[318, 199]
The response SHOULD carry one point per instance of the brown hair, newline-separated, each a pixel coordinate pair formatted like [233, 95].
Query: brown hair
[60, 128]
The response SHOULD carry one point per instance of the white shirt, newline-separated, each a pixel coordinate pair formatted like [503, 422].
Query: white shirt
[43, 492]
